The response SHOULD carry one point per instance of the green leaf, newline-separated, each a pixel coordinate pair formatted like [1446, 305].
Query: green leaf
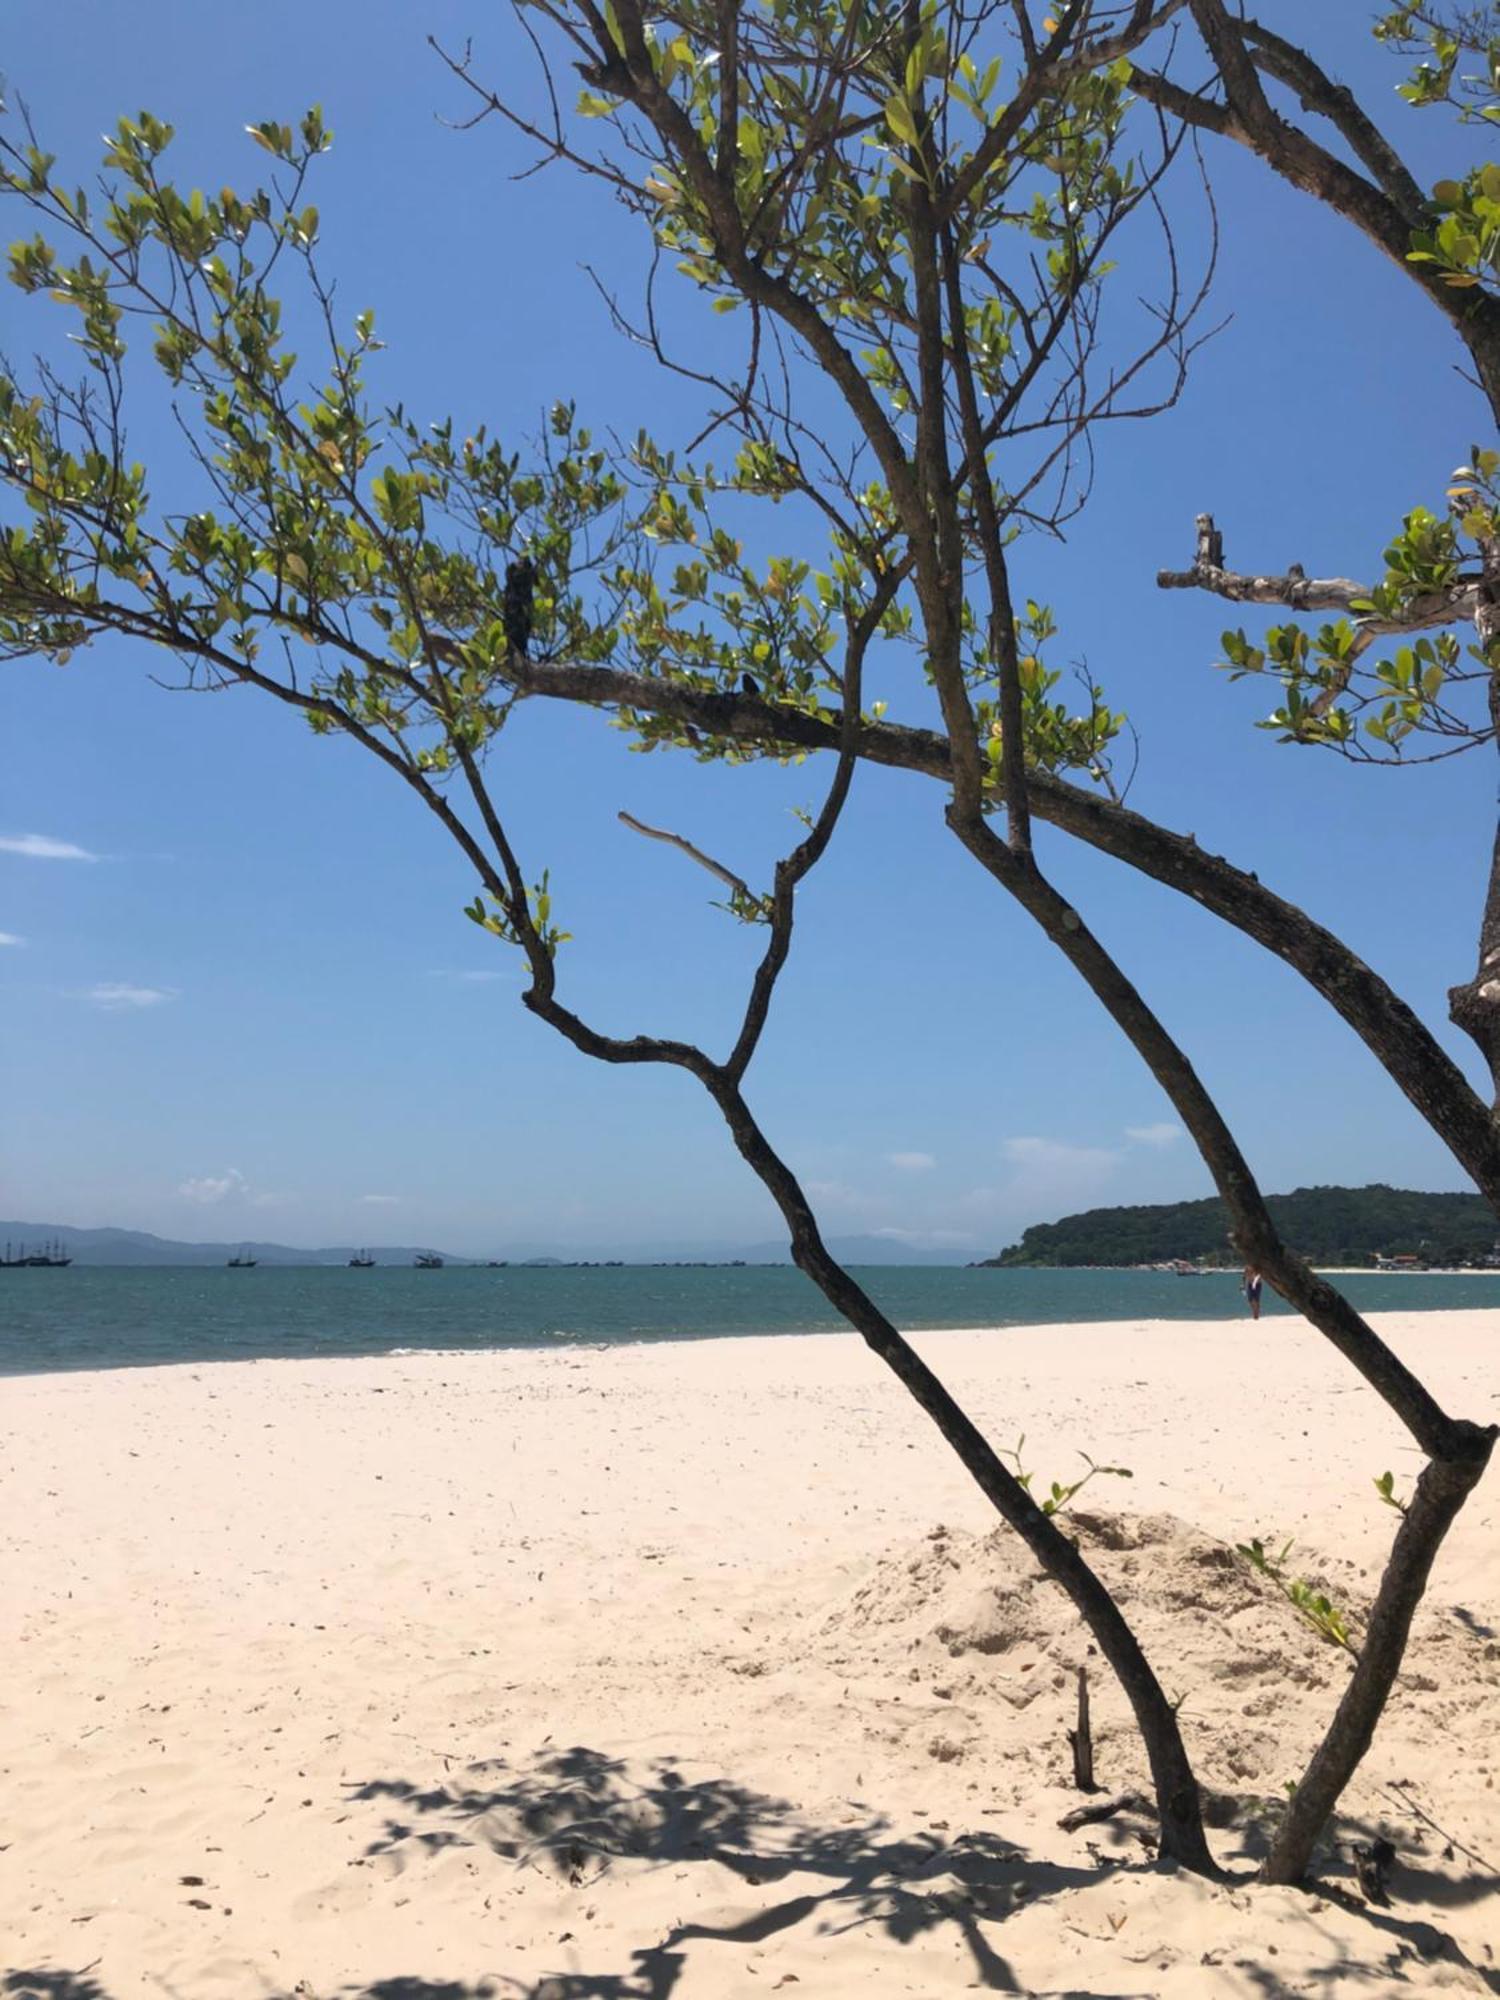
[898, 115]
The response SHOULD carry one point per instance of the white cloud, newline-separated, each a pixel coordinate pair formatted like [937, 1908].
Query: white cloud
[1050, 1173]
[9, 937]
[1051, 1156]
[209, 1190]
[42, 847]
[912, 1163]
[380, 1200]
[1164, 1134]
[212, 1188]
[843, 1199]
[984, 1202]
[116, 995]
[1043, 1178]
[927, 1239]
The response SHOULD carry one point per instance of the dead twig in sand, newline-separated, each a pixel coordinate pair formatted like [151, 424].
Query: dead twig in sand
[1398, 1792]
[1104, 1809]
[1081, 1739]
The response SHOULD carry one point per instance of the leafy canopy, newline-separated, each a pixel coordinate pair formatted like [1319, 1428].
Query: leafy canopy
[353, 558]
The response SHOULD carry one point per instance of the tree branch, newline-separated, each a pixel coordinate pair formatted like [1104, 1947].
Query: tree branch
[1046, 67]
[1374, 207]
[1003, 649]
[1255, 1233]
[1300, 592]
[1411, 1056]
[725, 875]
[1317, 92]
[809, 851]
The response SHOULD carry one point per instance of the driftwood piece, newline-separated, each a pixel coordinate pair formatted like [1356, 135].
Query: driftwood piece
[1104, 1809]
[1081, 1739]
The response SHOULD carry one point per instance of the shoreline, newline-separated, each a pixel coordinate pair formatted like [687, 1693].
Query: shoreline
[1096, 1335]
[128, 1321]
[532, 1269]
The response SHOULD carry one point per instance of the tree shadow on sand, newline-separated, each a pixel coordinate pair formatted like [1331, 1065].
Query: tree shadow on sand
[1400, 1947]
[577, 1812]
[50, 1984]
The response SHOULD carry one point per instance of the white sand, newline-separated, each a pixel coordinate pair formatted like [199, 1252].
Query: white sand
[615, 1675]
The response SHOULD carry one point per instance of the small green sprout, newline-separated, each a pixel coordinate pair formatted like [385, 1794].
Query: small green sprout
[1313, 1606]
[1060, 1496]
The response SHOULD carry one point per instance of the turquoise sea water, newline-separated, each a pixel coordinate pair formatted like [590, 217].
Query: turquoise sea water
[98, 1318]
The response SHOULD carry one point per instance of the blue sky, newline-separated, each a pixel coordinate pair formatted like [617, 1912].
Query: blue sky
[255, 1008]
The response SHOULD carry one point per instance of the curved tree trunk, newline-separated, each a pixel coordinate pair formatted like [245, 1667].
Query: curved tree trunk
[1176, 1788]
[1458, 1450]
[1441, 1491]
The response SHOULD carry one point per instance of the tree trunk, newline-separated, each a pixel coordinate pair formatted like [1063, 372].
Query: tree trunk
[1459, 1450]
[1176, 1788]
[1441, 1491]
[1255, 1234]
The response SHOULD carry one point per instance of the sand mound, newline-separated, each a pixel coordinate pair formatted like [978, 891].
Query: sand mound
[972, 1619]
[984, 1595]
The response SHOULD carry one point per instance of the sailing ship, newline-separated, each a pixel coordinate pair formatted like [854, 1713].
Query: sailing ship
[243, 1262]
[427, 1260]
[50, 1257]
[363, 1262]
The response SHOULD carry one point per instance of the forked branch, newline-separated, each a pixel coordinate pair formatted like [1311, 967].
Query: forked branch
[1298, 591]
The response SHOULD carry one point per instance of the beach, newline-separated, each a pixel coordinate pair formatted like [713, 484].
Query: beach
[696, 1669]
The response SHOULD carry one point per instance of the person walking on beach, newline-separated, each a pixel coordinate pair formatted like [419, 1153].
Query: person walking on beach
[1252, 1290]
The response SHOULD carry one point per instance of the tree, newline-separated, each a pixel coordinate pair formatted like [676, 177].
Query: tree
[950, 511]
[1441, 569]
[893, 230]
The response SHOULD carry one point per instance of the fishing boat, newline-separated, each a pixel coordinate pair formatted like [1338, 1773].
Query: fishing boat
[50, 1257]
[243, 1262]
[427, 1260]
[363, 1262]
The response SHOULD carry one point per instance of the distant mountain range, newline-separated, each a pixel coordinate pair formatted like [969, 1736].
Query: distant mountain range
[134, 1247]
[1329, 1225]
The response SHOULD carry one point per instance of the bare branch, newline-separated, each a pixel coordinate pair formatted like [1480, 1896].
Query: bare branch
[810, 850]
[1336, 102]
[725, 875]
[1379, 208]
[1300, 592]
[1410, 1054]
